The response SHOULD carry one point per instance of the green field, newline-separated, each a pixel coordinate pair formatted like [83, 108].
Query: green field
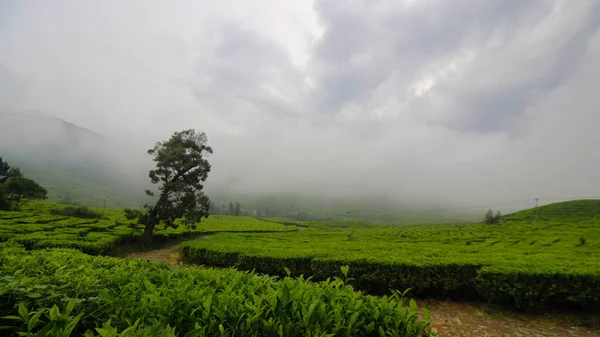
[533, 260]
[531, 265]
[37, 227]
[47, 290]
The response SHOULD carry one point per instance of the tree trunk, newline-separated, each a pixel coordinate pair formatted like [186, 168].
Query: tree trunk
[148, 232]
[149, 227]
[151, 221]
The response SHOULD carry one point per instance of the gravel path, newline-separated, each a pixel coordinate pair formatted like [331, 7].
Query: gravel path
[475, 319]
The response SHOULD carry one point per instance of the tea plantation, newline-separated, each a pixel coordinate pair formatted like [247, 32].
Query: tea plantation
[49, 290]
[551, 262]
[43, 225]
[67, 293]
[53, 283]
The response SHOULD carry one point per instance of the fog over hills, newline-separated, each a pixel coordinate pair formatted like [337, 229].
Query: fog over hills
[75, 164]
[402, 104]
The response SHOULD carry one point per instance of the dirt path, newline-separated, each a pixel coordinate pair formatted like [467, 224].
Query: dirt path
[476, 319]
[169, 254]
[458, 319]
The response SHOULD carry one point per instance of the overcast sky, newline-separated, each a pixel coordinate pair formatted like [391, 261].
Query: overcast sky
[463, 101]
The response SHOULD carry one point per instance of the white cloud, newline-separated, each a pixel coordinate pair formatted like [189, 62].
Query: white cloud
[464, 102]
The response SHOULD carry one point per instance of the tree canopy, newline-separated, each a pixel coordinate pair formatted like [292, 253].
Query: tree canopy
[7, 172]
[16, 190]
[492, 219]
[181, 169]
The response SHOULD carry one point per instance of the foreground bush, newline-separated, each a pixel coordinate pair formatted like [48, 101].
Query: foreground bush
[67, 293]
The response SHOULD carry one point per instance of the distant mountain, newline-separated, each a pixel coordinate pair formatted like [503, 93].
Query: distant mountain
[76, 165]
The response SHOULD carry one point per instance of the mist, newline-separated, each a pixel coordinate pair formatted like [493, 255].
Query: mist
[423, 104]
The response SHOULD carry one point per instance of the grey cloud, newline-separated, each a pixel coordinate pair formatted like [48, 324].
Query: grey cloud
[11, 85]
[502, 81]
[393, 39]
[244, 69]
[462, 102]
[505, 82]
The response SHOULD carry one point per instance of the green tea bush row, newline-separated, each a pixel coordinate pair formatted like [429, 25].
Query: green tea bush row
[523, 288]
[77, 212]
[534, 290]
[441, 281]
[67, 293]
[55, 226]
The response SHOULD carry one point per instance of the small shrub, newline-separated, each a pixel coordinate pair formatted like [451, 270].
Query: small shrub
[131, 214]
[78, 212]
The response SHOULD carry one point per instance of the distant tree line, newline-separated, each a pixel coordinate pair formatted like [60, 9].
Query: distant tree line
[492, 219]
[236, 209]
[231, 208]
[15, 189]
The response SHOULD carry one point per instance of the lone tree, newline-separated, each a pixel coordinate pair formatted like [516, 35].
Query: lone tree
[7, 172]
[180, 171]
[19, 190]
[16, 190]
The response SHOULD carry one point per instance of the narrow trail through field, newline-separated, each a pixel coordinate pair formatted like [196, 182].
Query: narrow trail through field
[453, 319]
[169, 254]
[476, 319]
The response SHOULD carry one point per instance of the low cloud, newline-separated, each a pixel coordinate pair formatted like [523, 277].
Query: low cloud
[428, 102]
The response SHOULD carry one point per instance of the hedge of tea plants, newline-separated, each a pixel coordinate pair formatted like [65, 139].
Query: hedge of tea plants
[97, 232]
[67, 293]
[532, 265]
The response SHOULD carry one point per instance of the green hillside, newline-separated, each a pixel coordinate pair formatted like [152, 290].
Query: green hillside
[568, 211]
[74, 164]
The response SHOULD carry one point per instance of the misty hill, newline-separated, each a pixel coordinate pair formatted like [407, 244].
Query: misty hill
[568, 211]
[356, 208]
[76, 165]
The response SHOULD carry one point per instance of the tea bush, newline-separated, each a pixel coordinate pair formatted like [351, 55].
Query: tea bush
[67, 293]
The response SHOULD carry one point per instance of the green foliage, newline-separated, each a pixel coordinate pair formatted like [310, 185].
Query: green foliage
[66, 293]
[16, 190]
[433, 260]
[132, 214]
[234, 208]
[76, 211]
[539, 289]
[7, 172]
[565, 212]
[180, 171]
[20, 190]
[45, 225]
[530, 266]
[492, 219]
